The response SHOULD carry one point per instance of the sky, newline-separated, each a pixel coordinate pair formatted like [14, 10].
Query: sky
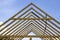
[9, 7]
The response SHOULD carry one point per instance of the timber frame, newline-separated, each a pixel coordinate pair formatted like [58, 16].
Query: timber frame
[30, 20]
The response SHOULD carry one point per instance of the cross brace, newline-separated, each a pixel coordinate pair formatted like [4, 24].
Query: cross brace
[31, 18]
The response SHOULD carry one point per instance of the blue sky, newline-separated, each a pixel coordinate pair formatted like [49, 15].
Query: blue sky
[10, 7]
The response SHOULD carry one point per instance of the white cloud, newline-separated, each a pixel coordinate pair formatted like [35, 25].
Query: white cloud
[1, 23]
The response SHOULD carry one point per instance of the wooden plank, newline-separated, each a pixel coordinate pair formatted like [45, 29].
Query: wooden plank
[29, 36]
[31, 19]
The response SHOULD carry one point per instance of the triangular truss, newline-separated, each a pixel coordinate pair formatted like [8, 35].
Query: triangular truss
[30, 19]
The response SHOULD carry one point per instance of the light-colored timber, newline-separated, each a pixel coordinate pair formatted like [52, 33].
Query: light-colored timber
[37, 21]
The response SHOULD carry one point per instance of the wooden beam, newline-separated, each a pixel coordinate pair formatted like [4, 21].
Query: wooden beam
[28, 36]
[31, 19]
[50, 37]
